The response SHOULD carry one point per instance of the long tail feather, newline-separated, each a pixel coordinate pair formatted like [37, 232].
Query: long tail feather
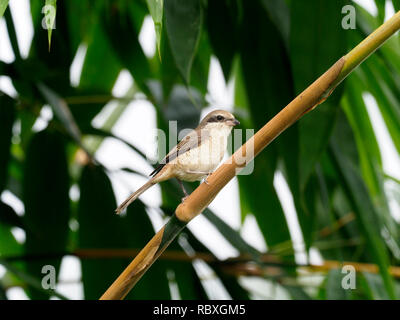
[134, 196]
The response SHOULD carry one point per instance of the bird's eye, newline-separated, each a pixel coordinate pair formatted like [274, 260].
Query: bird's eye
[219, 118]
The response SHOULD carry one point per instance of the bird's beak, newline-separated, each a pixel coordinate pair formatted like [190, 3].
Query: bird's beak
[233, 122]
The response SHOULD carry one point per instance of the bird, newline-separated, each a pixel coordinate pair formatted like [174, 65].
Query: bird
[195, 157]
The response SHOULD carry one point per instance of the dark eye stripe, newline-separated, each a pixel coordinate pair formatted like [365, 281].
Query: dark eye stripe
[213, 119]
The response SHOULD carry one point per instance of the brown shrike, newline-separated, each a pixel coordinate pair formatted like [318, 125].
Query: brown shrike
[195, 157]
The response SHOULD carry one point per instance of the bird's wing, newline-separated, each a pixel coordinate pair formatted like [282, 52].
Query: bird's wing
[190, 141]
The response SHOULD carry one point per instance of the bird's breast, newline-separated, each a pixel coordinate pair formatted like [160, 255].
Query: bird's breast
[204, 158]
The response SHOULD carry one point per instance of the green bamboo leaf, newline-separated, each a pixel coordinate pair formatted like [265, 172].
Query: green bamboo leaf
[8, 244]
[80, 29]
[396, 5]
[386, 97]
[180, 108]
[185, 276]
[138, 230]
[7, 117]
[44, 66]
[271, 218]
[240, 96]
[310, 56]
[3, 295]
[333, 286]
[12, 34]
[262, 48]
[231, 284]
[376, 286]
[369, 221]
[129, 170]
[99, 49]
[230, 234]
[126, 46]
[370, 158]
[188, 282]
[46, 200]
[169, 72]
[392, 178]
[201, 67]
[222, 28]
[380, 75]
[98, 228]
[50, 11]
[156, 10]
[61, 111]
[15, 186]
[171, 79]
[3, 6]
[279, 13]
[9, 217]
[27, 120]
[138, 11]
[380, 4]
[368, 148]
[365, 288]
[84, 111]
[183, 22]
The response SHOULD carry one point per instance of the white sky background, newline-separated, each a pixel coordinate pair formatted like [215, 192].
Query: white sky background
[136, 130]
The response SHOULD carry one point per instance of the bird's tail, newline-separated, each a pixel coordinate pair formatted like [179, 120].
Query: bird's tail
[134, 196]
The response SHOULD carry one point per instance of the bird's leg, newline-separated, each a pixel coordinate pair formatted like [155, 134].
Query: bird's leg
[202, 172]
[205, 180]
[183, 189]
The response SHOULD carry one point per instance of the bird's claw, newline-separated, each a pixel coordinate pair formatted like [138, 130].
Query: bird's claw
[205, 180]
[184, 198]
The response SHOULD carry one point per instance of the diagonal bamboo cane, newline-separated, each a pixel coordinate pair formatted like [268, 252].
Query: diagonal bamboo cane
[201, 197]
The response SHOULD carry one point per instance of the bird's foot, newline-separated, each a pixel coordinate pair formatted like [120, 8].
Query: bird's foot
[183, 189]
[184, 198]
[206, 179]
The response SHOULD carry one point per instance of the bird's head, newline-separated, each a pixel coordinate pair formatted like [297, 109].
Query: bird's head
[219, 119]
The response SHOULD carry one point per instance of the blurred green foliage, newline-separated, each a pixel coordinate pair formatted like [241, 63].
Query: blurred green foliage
[270, 50]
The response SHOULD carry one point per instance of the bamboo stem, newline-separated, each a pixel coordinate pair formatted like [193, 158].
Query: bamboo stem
[237, 266]
[245, 269]
[201, 197]
[369, 45]
[328, 230]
